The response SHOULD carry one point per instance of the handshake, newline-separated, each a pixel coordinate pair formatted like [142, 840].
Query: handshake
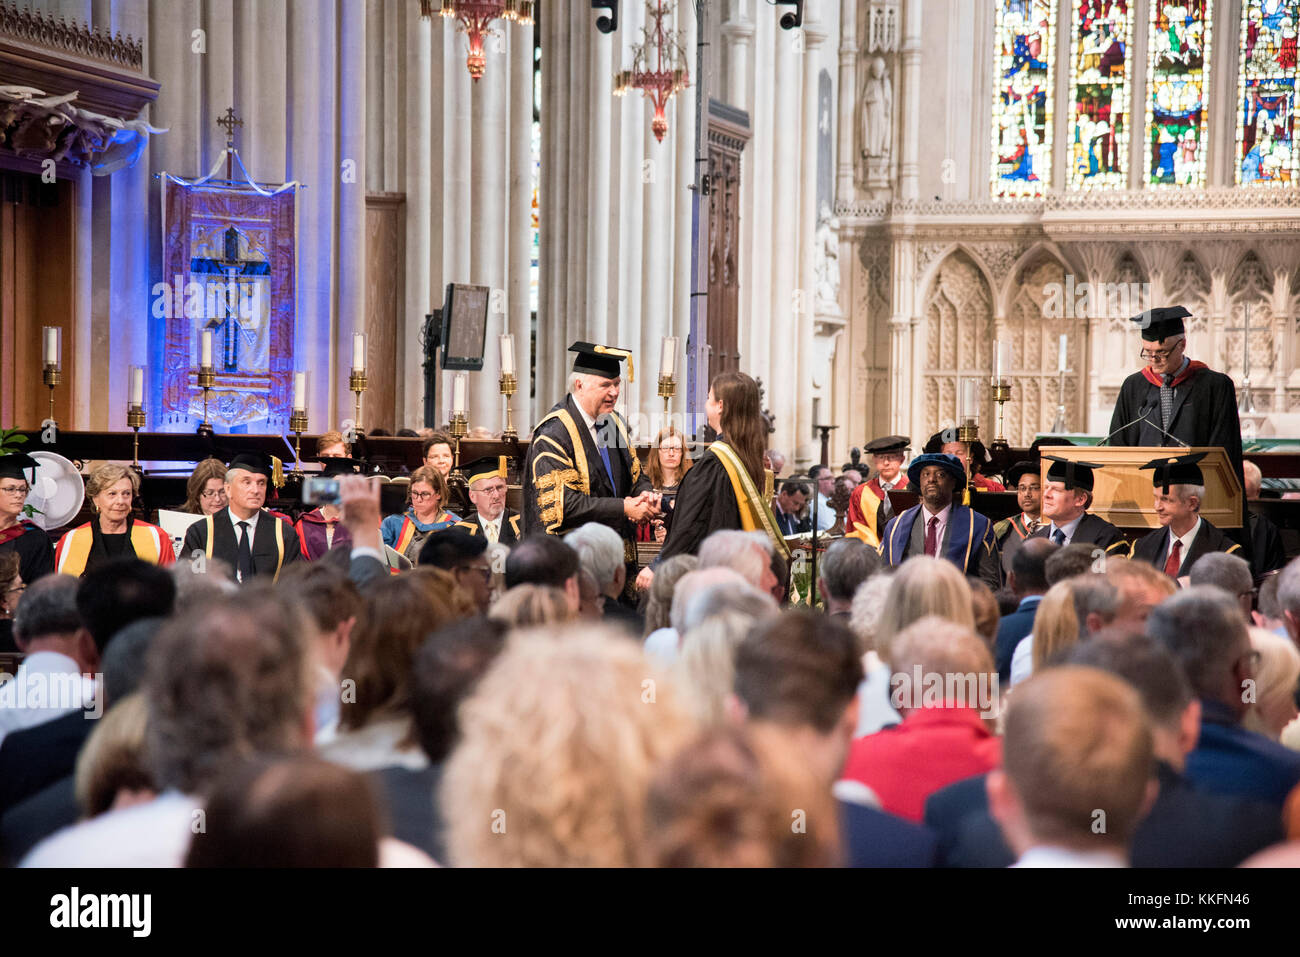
[642, 507]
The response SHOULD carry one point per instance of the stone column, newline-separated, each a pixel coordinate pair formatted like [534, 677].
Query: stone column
[910, 98]
[848, 100]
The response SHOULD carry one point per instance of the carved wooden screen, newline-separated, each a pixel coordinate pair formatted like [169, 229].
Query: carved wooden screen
[728, 133]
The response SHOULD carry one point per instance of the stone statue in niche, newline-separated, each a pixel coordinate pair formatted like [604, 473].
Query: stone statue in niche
[877, 110]
[826, 262]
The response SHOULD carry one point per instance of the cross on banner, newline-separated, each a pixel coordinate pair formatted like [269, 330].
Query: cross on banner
[231, 267]
[1247, 401]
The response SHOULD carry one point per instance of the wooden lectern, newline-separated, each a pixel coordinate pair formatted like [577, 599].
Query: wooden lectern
[1123, 494]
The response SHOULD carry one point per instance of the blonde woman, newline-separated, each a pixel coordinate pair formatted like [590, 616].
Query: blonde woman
[923, 586]
[557, 750]
[1056, 630]
[706, 667]
[113, 532]
[1276, 676]
[531, 606]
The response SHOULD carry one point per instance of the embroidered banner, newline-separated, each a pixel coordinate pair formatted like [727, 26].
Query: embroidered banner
[228, 267]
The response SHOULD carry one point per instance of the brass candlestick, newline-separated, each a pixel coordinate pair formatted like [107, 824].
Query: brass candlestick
[52, 375]
[667, 389]
[207, 377]
[135, 419]
[458, 428]
[509, 385]
[1001, 391]
[297, 425]
[357, 383]
[967, 432]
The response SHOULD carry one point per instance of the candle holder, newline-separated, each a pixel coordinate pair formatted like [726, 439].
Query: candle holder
[297, 425]
[357, 384]
[1058, 426]
[667, 389]
[207, 377]
[135, 419]
[52, 375]
[509, 385]
[458, 428]
[1001, 391]
[968, 432]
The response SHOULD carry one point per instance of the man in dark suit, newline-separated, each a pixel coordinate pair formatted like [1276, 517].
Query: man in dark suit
[1268, 554]
[1183, 536]
[1067, 496]
[486, 478]
[246, 536]
[1186, 827]
[787, 507]
[1029, 583]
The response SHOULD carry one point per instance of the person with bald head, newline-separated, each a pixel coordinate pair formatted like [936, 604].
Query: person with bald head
[1077, 775]
[1267, 551]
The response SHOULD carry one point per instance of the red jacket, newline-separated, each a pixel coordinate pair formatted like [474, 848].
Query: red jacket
[932, 748]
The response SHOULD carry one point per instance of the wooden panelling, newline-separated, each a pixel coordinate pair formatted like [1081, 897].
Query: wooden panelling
[728, 133]
[385, 282]
[37, 272]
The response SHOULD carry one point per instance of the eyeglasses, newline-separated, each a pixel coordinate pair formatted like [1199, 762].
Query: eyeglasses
[1159, 355]
[494, 490]
[16, 590]
[423, 496]
[212, 493]
[15, 490]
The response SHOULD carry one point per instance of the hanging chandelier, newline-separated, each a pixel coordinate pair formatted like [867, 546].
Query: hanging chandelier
[474, 17]
[658, 64]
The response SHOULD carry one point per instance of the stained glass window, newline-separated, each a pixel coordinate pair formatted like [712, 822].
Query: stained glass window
[1100, 35]
[1266, 90]
[1024, 57]
[1178, 83]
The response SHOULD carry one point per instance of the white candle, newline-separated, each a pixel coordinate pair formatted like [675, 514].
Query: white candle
[1060, 359]
[205, 352]
[299, 391]
[136, 398]
[1000, 368]
[359, 352]
[668, 360]
[51, 355]
[970, 398]
[458, 394]
[507, 354]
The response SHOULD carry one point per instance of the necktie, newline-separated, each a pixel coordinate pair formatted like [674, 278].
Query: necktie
[1166, 401]
[1058, 536]
[245, 561]
[604, 457]
[889, 509]
[490, 530]
[932, 537]
[1175, 559]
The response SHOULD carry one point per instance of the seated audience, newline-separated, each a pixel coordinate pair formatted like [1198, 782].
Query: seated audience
[111, 771]
[600, 554]
[466, 558]
[1183, 536]
[845, 565]
[706, 668]
[334, 603]
[789, 508]
[1028, 580]
[374, 728]
[437, 453]
[225, 680]
[114, 532]
[591, 603]
[988, 617]
[1229, 572]
[875, 711]
[749, 554]
[1141, 587]
[1071, 611]
[1077, 750]
[296, 811]
[1074, 559]
[659, 599]
[532, 606]
[923, 586]
[205, 491]
[447, 669]
[544, 560]
[1268, 611]
[704, 592]
[331, 444]
[424, 515]
[942, 685]
[556, 752]
[1203, 628]
[1276, 677]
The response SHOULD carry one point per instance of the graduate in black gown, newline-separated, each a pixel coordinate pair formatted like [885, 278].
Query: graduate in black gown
[33, 547]
[1174, 400]
[725, 488]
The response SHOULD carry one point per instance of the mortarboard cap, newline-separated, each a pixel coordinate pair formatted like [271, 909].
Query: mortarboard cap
[257, 462]
[17, 465]
[1176, 470]
[888, 443]
[1161, 323]
[601, 360]
[1070, 473]
[1017, 471]
[488, 467]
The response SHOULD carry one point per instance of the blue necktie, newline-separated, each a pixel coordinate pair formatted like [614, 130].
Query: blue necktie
[604, 457]
[1058, 536]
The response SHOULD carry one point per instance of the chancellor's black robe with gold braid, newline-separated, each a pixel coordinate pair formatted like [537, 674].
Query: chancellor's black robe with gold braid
[565, 484]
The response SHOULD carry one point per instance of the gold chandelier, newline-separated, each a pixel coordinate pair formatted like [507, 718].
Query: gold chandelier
[475, 17]
[658, 65]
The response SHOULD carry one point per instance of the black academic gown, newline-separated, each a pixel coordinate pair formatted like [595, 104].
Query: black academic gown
[1153, 547]
[511, 529]
[1268, 554]
[1092, 530]
[226, 545]
[706, 503]
[35, 553]
[1204, 414]
[554, 502]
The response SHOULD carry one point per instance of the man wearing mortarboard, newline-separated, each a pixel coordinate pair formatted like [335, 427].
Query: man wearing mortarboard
[1183, 536]
[941, 527]
[1174, 400]
[244, 534]
[581, 465]
[35, 553]
[1067, 496]
[488, 486]
[869, 505]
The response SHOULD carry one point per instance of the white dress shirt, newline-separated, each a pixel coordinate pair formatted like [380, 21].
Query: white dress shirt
[252, 526]
[1050, 855]
[943, 517]
[47, 685]
[494, 524]
[1069, 528]
[156, 834]
[1187, 540]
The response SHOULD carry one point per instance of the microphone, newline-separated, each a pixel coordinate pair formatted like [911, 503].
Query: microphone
[1147, 408]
